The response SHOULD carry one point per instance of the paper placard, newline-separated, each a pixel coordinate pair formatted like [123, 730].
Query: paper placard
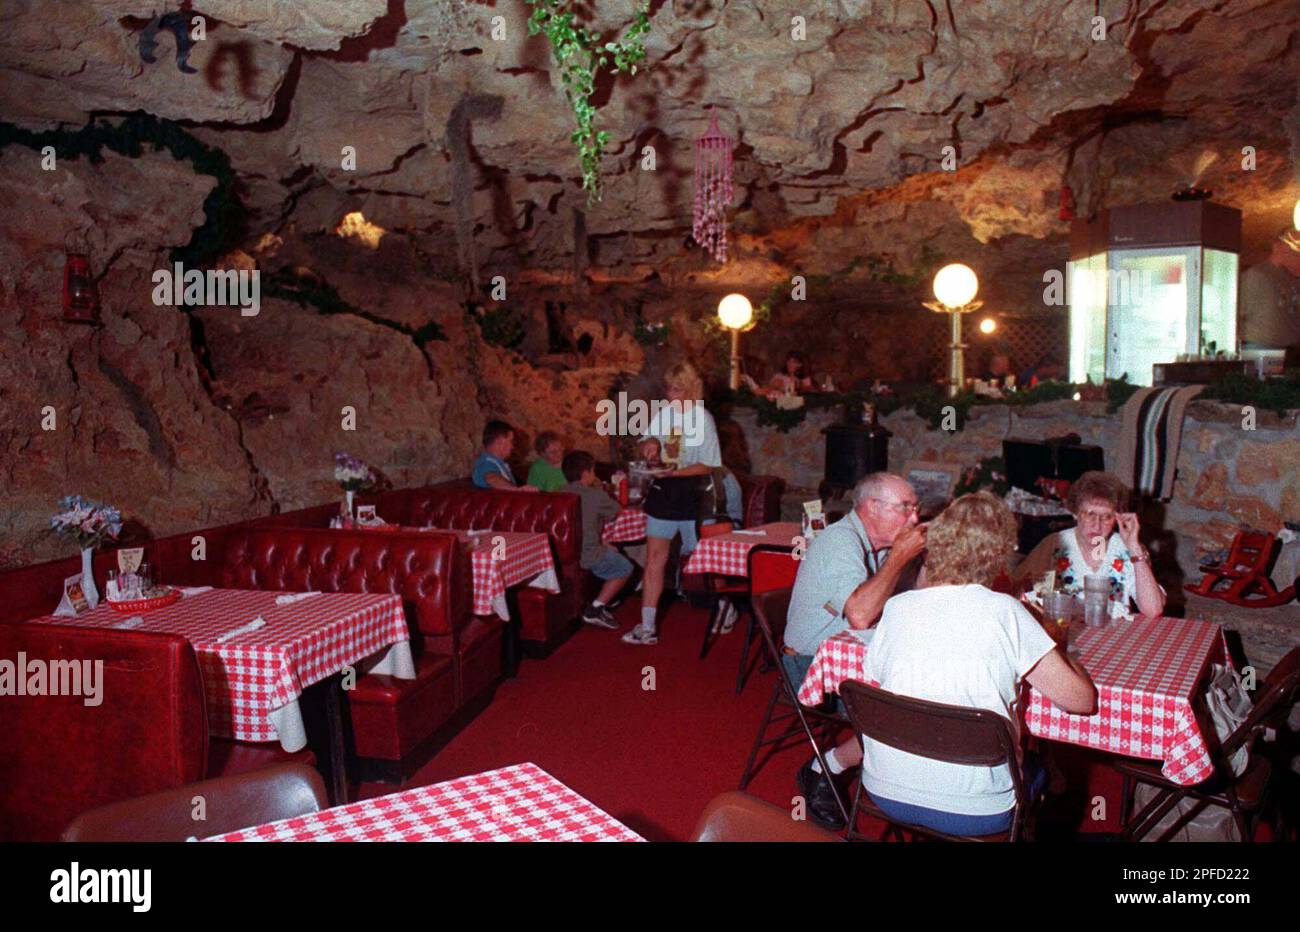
[74, 598]
[129, 559]
[813, 519]
[366, 516]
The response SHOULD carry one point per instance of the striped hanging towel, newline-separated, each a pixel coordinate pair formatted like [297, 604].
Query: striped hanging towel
[1149, 439]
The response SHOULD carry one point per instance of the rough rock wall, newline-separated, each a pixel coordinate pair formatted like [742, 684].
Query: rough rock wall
[132, 422]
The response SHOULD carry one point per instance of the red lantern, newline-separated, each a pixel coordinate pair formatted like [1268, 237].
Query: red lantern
[80, 296]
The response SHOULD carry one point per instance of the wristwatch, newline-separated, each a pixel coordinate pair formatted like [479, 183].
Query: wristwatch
[1142, 556]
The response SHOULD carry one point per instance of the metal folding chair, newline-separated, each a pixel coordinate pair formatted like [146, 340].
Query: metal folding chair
[769, 609]
[769, 567]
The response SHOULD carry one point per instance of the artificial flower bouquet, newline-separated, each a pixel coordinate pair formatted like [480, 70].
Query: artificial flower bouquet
[352, 474]
[89, 523]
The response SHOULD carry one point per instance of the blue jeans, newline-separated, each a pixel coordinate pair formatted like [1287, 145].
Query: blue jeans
[957, 823]
[796, 667]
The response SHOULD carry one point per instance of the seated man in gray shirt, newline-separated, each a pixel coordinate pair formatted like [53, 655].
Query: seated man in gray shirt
[845, 578]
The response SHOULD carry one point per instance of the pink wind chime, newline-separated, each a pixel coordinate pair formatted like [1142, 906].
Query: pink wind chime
[712, 190]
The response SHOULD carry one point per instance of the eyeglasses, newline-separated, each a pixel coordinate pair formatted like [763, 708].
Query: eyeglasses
[1097, 517]
[907, 508]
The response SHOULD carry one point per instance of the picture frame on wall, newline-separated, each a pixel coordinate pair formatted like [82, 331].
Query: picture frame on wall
[934, 483]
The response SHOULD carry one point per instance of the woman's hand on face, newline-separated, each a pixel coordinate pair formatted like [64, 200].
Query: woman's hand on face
[1128, 529]
[650, 451]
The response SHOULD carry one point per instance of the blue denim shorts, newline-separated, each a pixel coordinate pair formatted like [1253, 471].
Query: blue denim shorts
[611, 565]
[667, 530]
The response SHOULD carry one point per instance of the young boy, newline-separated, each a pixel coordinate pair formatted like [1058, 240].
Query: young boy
[606, 563]
[547, 472]
[491, 471]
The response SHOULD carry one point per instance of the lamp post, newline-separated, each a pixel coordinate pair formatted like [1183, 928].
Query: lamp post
[954, 288]
[1292, 236]
[736, 314]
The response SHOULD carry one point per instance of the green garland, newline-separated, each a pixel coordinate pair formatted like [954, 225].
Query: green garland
[223, 212]
[1277, 395]
[988, 474]
[932, 404]
[581, 57]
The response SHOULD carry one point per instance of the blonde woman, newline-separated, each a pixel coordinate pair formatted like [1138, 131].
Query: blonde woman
[958, 642]
[684, 429]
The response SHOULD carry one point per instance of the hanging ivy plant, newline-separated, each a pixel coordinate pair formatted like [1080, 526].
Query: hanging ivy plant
[581, 57]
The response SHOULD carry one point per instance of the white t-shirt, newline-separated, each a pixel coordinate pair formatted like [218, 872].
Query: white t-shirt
[699, 433]
[960, 645]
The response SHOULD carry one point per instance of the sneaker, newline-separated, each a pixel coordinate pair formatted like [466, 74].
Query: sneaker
[641, 635]
[727, 616]
[599, 617]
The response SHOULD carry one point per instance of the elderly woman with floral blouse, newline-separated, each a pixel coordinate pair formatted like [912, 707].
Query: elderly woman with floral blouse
[1104, 541]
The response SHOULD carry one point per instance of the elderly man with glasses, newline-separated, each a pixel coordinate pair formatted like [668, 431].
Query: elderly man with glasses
[848, 573]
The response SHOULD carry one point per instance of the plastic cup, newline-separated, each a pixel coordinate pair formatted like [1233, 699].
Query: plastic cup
[1059, 612]
[1096, 600]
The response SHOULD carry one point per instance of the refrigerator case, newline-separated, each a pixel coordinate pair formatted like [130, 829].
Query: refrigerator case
[1140, 294]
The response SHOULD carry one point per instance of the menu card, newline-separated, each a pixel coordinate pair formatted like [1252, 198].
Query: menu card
[74, 598]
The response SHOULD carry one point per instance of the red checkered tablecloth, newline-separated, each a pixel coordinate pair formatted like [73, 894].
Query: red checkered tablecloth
[499, 560]
[1147, 674]
[629, 526]
[728, 554]
[840, 657]
[502, 559]
[519, 803]
[252, 674]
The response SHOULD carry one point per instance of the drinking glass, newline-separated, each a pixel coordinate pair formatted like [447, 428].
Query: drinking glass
[1096, 600]
[1059, 612]
[146, 578]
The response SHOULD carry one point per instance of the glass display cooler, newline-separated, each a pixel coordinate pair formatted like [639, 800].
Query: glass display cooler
[1150, 284]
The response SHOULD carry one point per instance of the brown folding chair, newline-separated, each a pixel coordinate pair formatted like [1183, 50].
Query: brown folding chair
[770, 610]
[949, 733]
[1246, 796]
[735, 816]
[228, 803]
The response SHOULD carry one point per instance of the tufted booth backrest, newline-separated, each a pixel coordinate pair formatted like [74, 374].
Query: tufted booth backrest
[429, 571]
[465, 507]
[144, 731]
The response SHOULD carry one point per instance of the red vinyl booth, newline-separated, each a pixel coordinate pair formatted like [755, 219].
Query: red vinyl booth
[545, 618]
[396, 723]
[60, 757]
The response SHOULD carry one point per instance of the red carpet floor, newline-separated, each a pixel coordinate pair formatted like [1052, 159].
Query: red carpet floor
[654, 757]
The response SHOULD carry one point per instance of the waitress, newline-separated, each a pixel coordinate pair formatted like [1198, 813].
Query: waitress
[695, 452]
[1103, 542]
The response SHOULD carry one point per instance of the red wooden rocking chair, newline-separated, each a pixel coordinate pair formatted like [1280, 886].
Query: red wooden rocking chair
[1245, 572]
